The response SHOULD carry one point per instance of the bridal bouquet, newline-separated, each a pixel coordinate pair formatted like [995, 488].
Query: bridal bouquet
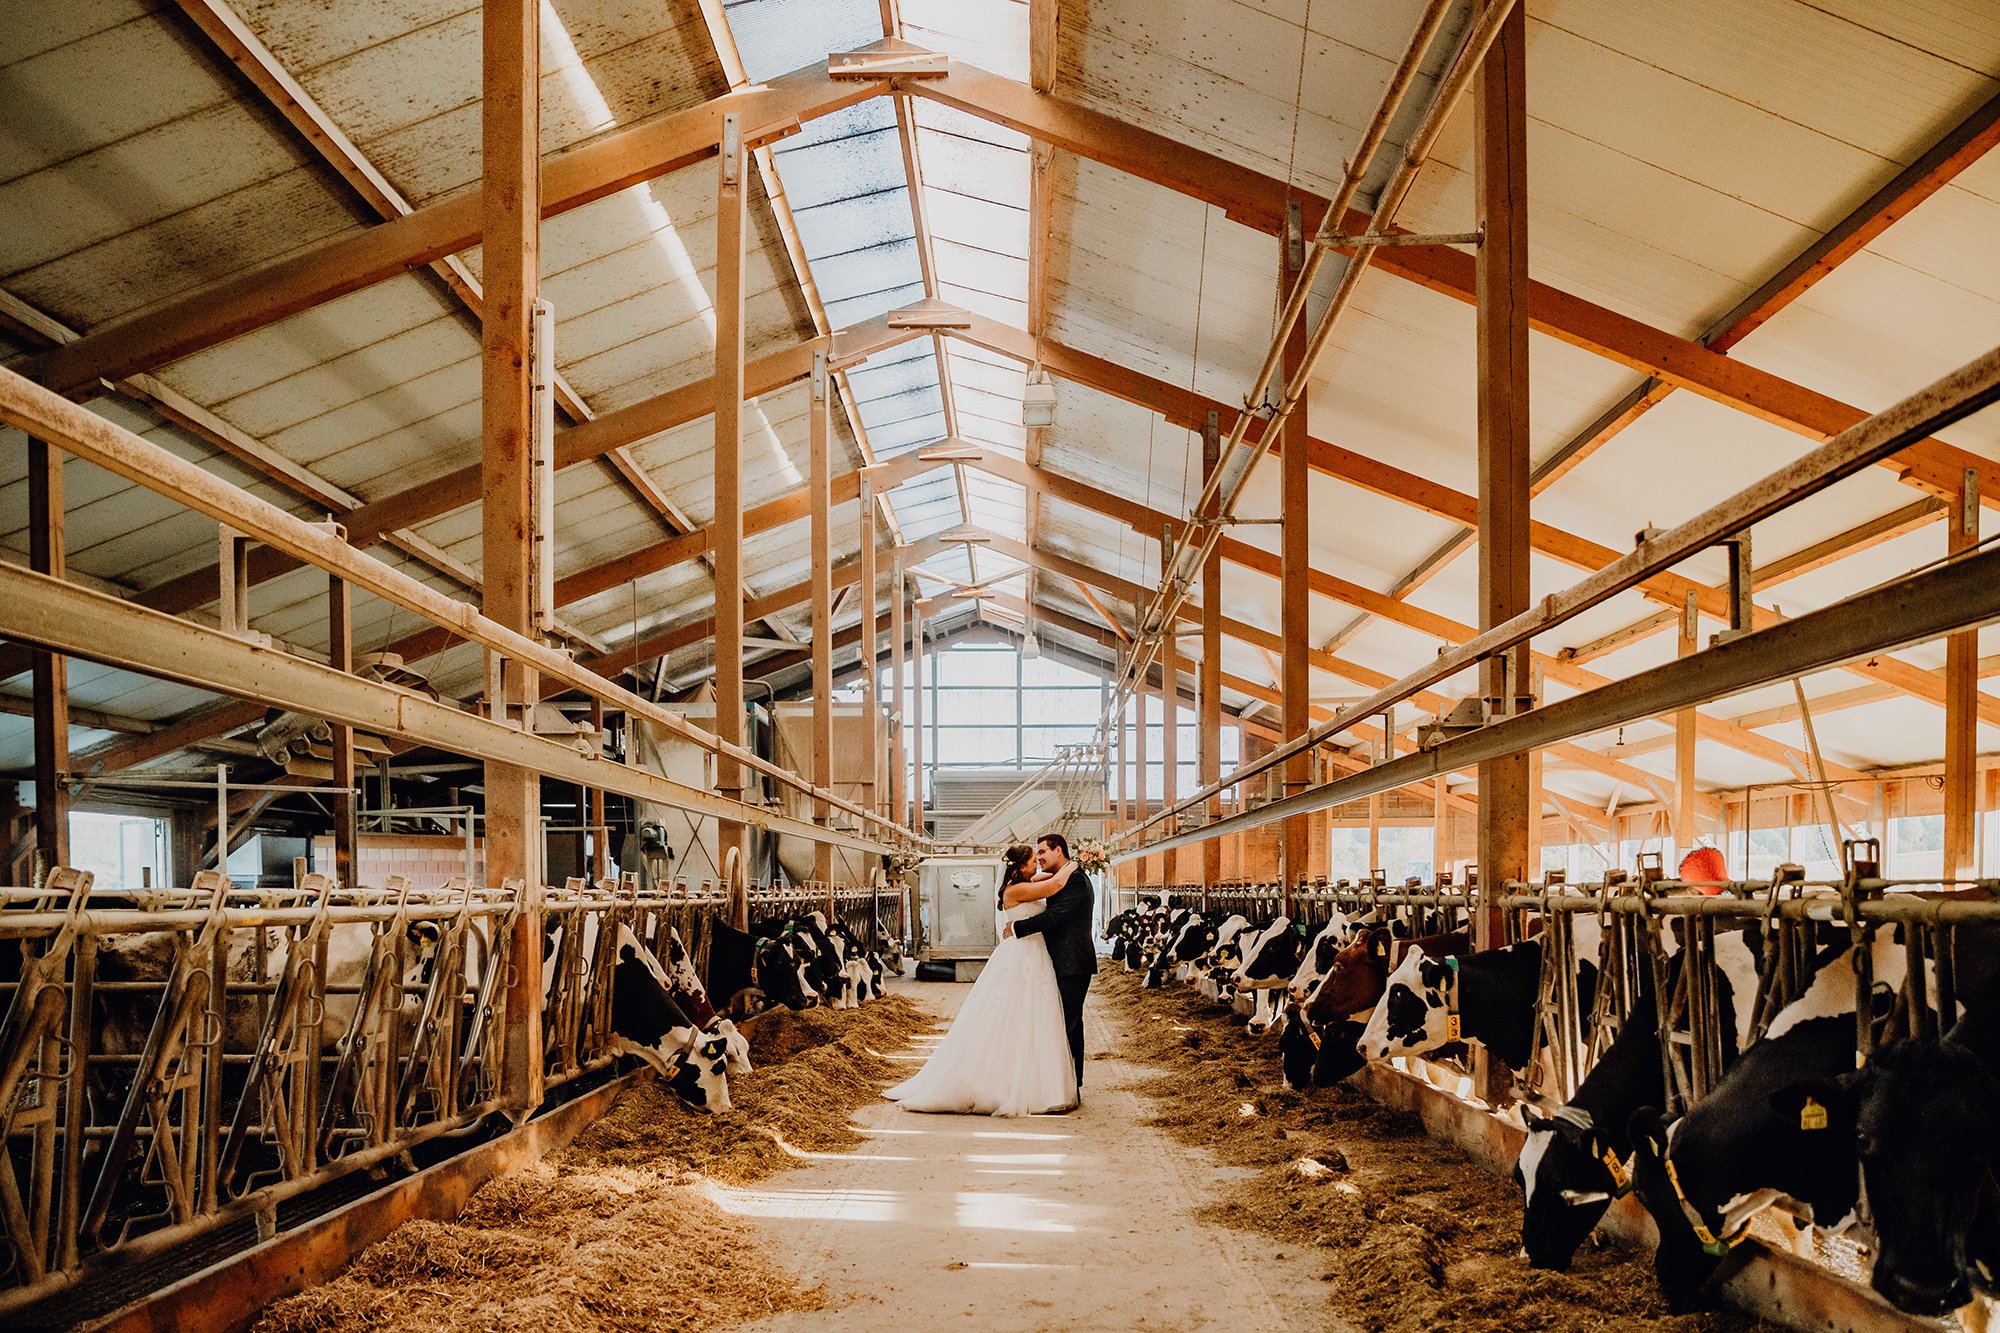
[1091, 855]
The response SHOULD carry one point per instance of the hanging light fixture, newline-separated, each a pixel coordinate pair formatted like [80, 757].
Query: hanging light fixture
[1038, 399]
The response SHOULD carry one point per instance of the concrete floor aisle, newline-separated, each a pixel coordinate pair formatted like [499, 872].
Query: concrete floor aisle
[1077, 1222]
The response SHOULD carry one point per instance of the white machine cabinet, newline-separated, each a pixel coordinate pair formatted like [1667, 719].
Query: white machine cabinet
[957, 897]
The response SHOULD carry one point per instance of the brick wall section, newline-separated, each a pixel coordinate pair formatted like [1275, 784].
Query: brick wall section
[425, 861]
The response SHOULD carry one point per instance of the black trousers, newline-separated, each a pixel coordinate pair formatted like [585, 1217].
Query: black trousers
[1073, 989]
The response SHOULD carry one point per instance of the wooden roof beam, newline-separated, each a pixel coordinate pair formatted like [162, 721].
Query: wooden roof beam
[1185, 408]
[1960, 147]
[1258, 201]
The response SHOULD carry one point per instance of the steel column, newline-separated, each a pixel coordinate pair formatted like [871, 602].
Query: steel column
[1500, 137]
[899, 795]
[1684, 735]
[917, 715]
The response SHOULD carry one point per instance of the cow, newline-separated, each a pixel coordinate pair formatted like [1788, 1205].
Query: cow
[645, 1022]
[1754, 1138]
[1312, 1056]
[1317, 959]
[1359, 974]
[1487, 996]
[1270, 957]
[1573, 1162]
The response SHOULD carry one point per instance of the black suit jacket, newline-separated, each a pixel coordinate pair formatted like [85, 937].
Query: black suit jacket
[1065, 925]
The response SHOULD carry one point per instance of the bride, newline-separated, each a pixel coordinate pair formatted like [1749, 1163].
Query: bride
[1007, 1052]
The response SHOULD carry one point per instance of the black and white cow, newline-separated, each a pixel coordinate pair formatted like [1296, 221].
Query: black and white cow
[1755, 1138]
[1317, 959]
[646, 1022]
[1270, 957]
[1573, 1163]
[1487, 996]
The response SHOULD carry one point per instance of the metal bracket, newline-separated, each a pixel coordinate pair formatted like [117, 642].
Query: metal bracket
[888, 59]
[732, 148]
[1295, 236]
[1376, 238]
[1742, 575]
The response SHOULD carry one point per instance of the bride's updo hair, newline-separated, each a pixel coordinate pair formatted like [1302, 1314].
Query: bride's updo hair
[1014, 864]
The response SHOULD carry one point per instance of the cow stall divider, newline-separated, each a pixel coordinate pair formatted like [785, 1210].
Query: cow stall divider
[187, 1072]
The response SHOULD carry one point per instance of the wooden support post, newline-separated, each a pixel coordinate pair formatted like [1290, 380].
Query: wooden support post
[1685, 722]
[822, 606]
[600, 834]
[50, 671]
[1500, 159]
[1139, 805]
[511, 144]
[1961, 700]
[917, 716]
[340, 656]
[1170, 745]
[871, 652]
[726, 528]
[1295, 686]
[1211, 667]
[898, 692]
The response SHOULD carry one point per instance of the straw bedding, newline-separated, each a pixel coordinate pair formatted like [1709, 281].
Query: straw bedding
[1413, 1235]
[617, 1231]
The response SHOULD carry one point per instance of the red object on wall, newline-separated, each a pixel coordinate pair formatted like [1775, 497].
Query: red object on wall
[1704, 864]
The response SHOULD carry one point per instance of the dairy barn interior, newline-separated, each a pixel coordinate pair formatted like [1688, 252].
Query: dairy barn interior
[549, 545]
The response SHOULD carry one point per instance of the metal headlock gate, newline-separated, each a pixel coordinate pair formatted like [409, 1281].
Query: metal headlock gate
[186, 1072]
[1795, 917]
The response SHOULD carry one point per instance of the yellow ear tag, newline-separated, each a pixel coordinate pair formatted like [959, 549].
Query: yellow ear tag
[1451, 1033]
[1812, 1115]
[1381, 949]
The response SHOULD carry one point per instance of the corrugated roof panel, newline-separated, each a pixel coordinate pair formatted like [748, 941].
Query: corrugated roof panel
[992, 34]
[778, 36]
[132, 190]
[403, 90]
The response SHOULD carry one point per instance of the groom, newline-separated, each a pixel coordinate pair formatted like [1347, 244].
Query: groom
[1065, 927]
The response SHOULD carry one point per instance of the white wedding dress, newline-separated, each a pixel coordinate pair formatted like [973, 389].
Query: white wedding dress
[1007, 1052]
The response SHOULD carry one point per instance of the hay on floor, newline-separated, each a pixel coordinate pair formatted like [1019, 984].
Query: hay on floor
[1414, 1235]
[618, 1231]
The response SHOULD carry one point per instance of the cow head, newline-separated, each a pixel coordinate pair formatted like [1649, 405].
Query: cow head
[1318, 957]
[698, 1075]
[1418, 1009]
[1353, 980]
[1921, 1116]
[1298, 1053]
[1680, 1263]
[735, 1044]
[1569, 1172]
[781, 974]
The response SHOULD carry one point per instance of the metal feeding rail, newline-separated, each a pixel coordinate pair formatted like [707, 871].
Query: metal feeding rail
[177, 1062]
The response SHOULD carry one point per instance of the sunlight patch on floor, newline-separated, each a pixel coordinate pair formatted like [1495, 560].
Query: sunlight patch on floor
[1005, 1212]
[833, 1205]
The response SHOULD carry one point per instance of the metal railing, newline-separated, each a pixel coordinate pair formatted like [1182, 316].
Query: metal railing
[178, 1061]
